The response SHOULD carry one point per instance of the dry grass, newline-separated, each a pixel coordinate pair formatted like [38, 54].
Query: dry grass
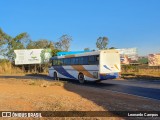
[44, 83]
[136, 71]
[151, 72]
[7, 68]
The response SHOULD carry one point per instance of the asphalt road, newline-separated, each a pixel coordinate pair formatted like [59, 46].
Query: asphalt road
[147, 89]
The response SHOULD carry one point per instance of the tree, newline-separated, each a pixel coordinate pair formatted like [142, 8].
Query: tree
[18, 42]
[8, 44]
[40, 44]
[51, 45]
[31, 45]
[112, 48]
[54, 52]
[58, 45]
[64, 43]
[3, 41]
[2, 37]
[102, 42]
[86, 49]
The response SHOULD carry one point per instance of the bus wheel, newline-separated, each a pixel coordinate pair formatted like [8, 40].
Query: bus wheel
[81, 78]
[55, 76]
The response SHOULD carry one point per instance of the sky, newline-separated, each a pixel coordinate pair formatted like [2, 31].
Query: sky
[126, 23]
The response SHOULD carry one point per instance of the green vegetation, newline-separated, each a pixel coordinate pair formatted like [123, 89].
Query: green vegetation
[86, 49]
[8, 44]
[22, 41]
[143, 60]
[102, 42]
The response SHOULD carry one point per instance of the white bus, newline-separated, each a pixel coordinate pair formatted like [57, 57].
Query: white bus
[88, 66]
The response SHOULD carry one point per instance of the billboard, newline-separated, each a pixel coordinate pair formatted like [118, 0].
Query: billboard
[32, 56]
[128, 55]
[154, 59]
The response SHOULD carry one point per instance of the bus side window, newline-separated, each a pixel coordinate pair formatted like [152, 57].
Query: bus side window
[65, 61]
[58, 62]
[85, 60]
[91, 60]
[97, 59]
[80, 60]
[68, 61]
[61, 62]
[54, 62]
[76, 61]
[73, 61]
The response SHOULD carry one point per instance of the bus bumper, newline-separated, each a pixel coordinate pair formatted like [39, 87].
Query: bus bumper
[109, 76]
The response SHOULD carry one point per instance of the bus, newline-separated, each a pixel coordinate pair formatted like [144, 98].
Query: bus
[89, 66]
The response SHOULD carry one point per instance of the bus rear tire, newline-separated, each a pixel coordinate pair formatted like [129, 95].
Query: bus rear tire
[81, 78]
[55, 76]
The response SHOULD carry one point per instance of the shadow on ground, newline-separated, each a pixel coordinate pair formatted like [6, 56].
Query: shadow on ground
[140, 77]
[27, 76]
[14, 76]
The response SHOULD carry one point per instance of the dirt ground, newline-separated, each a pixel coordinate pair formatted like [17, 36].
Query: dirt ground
[23, 93]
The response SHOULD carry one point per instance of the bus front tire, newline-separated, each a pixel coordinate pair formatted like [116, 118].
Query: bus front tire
[81, 78]
[55, 76]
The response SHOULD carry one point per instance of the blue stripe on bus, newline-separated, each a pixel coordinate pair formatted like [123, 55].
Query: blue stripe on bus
[107, 67]
[108, 76]
[62, 71]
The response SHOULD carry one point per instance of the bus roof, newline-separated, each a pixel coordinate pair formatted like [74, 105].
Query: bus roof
[71, 52]
[82, 54]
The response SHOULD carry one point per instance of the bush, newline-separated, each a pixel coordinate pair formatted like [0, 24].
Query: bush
[6, 67]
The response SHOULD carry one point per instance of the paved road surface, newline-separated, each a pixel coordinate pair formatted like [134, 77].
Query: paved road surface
[148, 89]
